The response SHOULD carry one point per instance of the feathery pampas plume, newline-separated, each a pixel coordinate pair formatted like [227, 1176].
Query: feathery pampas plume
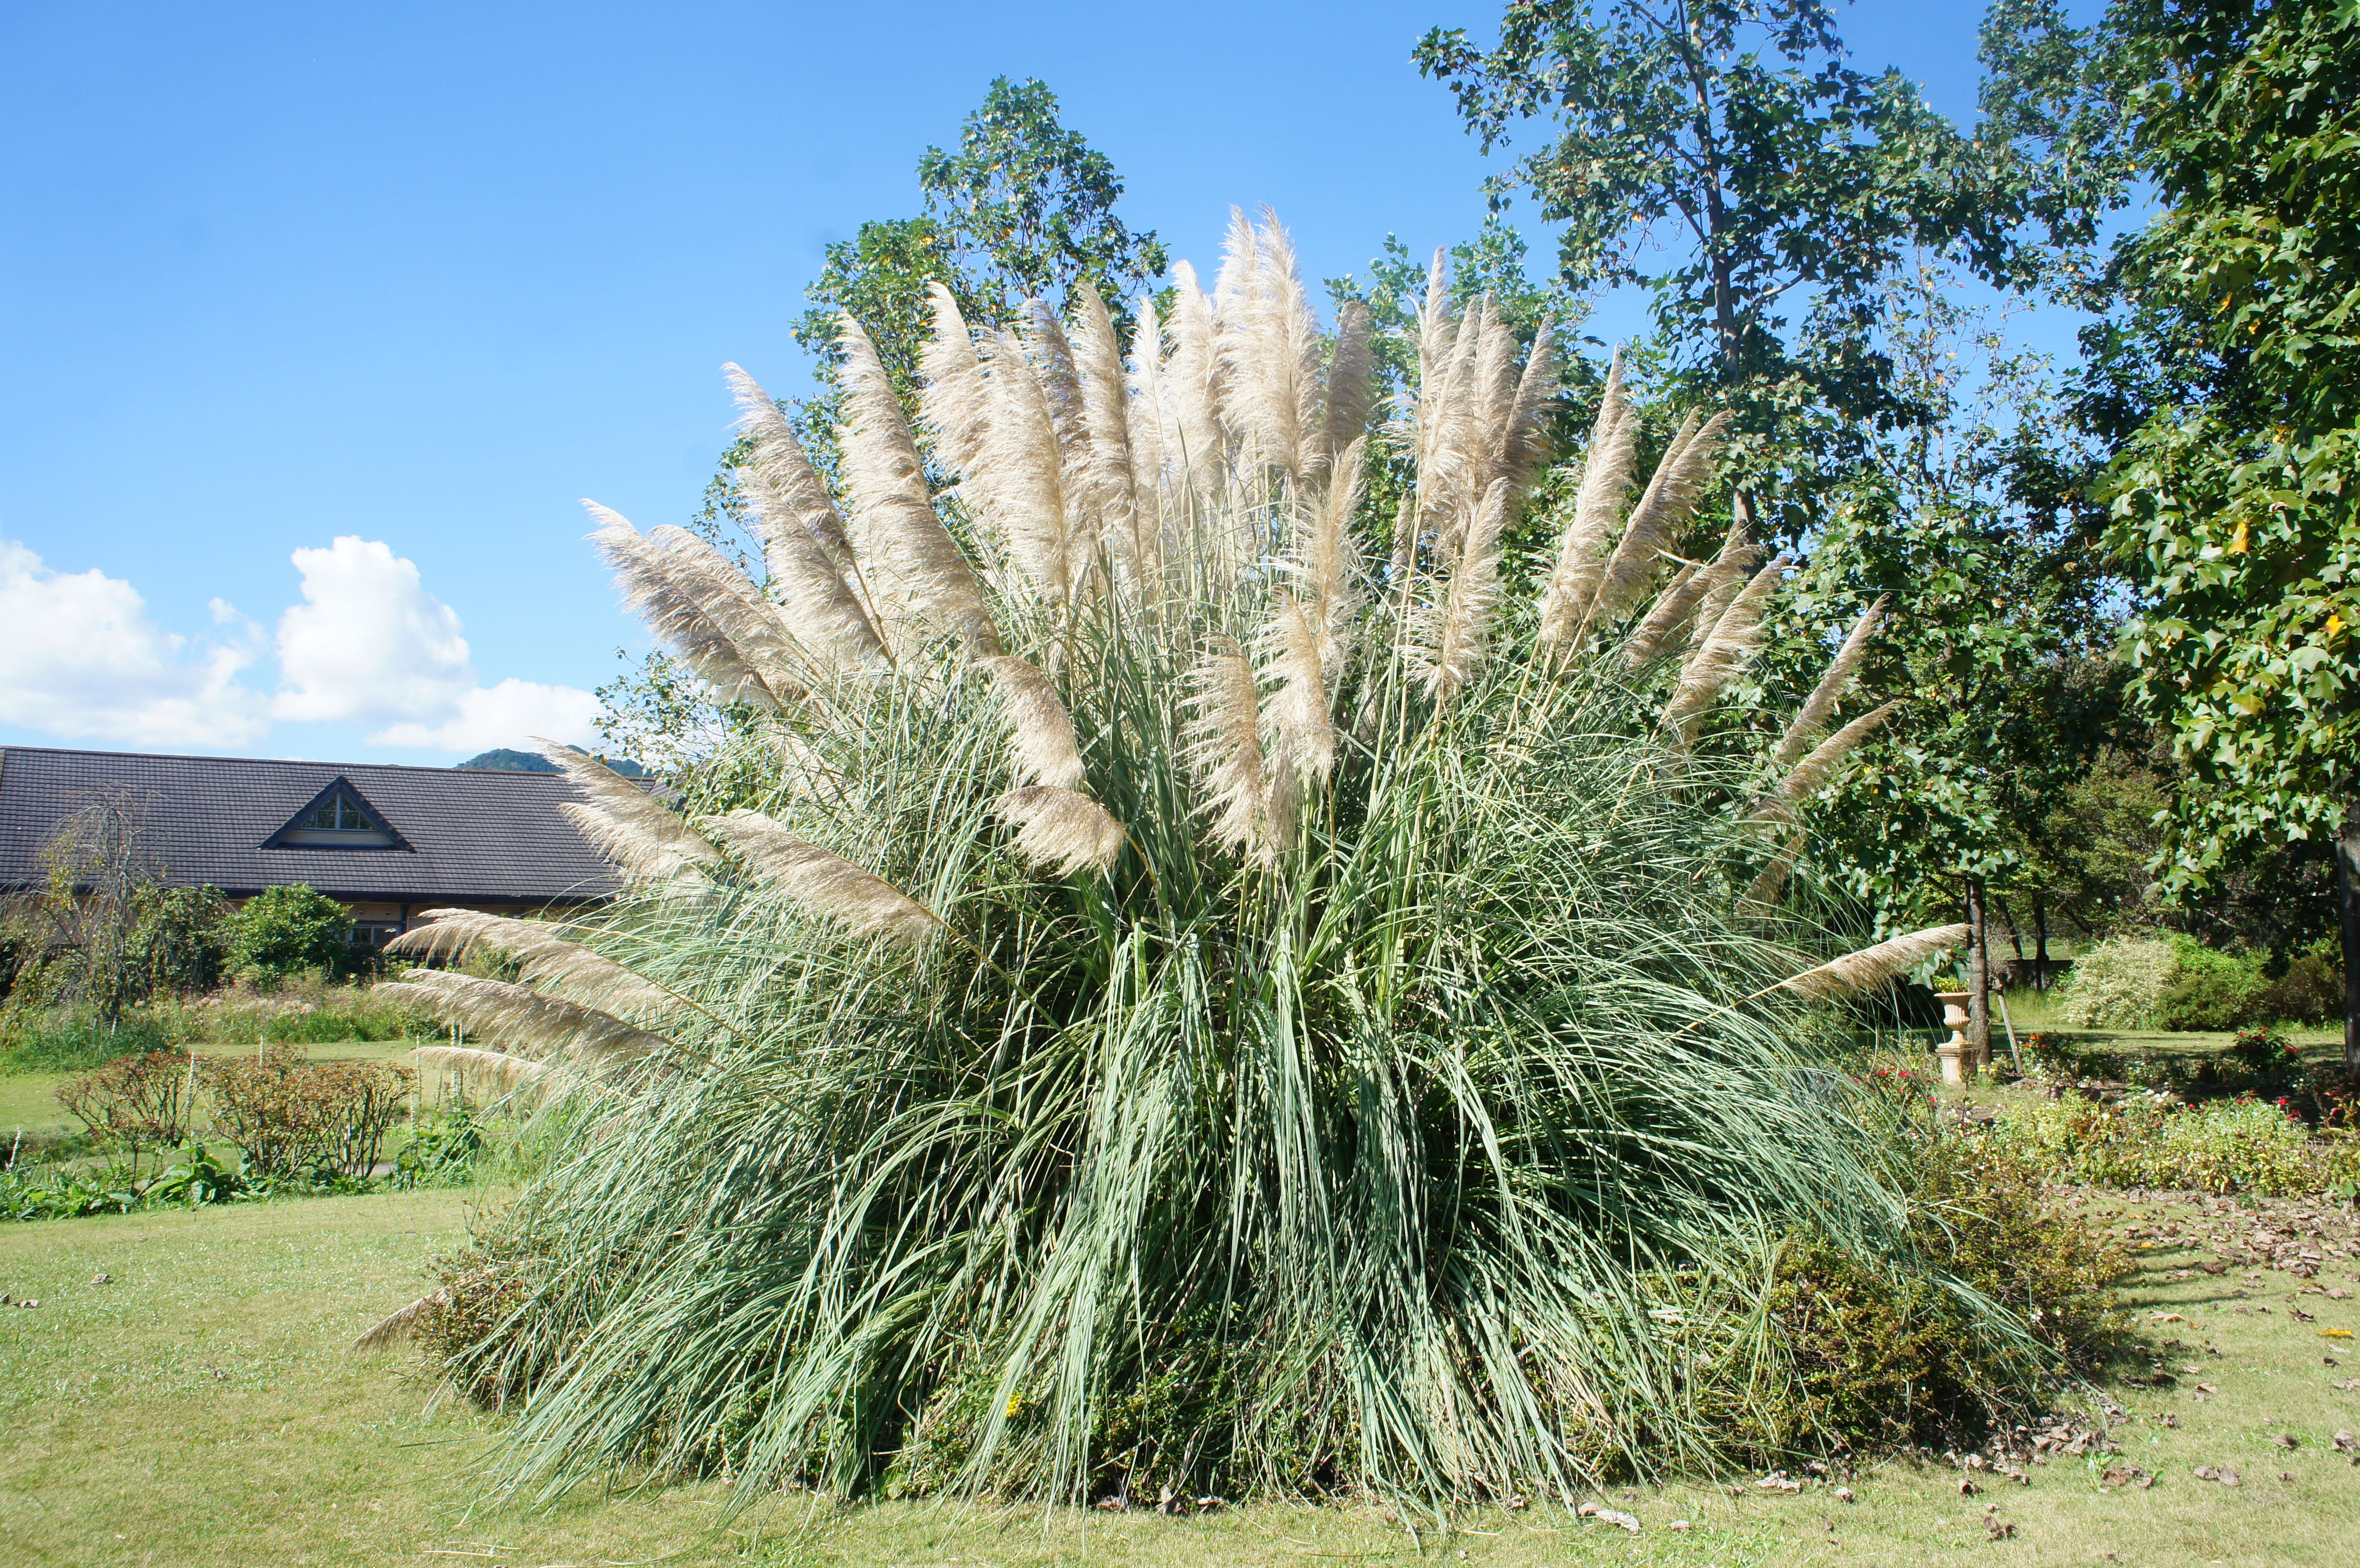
[1040, 732]
[1193, 381]
[1105, 418]
[504, 1070]
[1807, 776]
[820, 609]
[1350, 387]
[402, 1323]
[643, 837]
[1875, 965]
[1225, 743]
[1459, 624]
[649, 579]
[1712, 666]
[1018, 481]
[827, 885]
[779, 456]
[1841, 672]
[1669, 501]
[914, 568]
[1061, 830]
[530, 1024]
[1580, 562]
[546, 960]
[952, 401]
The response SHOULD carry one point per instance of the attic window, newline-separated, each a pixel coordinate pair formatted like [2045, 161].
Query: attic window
[337, 820]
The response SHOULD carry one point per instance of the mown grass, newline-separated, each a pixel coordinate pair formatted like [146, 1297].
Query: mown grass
[201, 1409]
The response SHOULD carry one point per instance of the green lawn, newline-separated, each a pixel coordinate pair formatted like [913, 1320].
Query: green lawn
[201, 1408]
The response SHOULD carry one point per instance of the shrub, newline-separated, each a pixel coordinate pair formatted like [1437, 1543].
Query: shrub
[290, 1117]
[2117, 983]
[441, 1150]
[2311, 989]
[135, 1103]
[2208, 989]
[1879, 1356]
[283, 931]
[2227, 1145]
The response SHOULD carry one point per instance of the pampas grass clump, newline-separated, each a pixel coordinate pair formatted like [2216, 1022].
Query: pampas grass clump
[1205, 990]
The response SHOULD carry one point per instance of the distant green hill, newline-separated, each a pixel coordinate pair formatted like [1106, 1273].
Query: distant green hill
[502, 759]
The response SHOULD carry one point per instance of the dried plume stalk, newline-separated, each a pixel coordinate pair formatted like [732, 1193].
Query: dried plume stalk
[1040, 731]
[1875, 965]
[913, 566]
[1060, 829]
[1225, 742]
[547, 961]
[1807, 776]
[827, 885]
[527, 1023]
[630, 827]
[1761, 893]
[1841, 672]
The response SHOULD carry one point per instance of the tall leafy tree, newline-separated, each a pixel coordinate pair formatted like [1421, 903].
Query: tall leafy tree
[1022, 207]
[2228, 368]
[1782, 209]
[1724, 154]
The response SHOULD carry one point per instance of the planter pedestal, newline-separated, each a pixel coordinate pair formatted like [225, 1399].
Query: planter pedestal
[1959, 1062]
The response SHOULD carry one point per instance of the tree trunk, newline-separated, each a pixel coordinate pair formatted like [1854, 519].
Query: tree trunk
[2347, 907]
[2040, 938]
[2015, 930]
[1978, 974]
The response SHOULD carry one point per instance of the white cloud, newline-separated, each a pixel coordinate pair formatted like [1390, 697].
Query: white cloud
[80, 660]
[367, 642]
[510, 714]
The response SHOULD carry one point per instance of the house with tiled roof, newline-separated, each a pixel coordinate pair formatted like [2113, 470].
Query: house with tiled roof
[390, 842]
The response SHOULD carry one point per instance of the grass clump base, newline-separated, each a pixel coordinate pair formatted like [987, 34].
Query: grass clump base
[1174, 981]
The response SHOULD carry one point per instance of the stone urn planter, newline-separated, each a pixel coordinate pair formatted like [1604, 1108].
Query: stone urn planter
[1959, 1063]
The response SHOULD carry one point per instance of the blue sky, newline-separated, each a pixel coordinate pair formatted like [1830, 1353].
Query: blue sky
[316, 321]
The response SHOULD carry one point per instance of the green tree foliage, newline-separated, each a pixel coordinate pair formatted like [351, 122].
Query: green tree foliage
[2228, 369]
[1763, 202]
[1023, 209]
[282, 930]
